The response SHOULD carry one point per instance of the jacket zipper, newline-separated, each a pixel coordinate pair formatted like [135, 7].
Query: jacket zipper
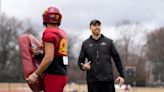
[97, 54]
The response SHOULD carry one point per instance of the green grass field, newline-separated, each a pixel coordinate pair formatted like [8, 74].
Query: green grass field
[23, 87]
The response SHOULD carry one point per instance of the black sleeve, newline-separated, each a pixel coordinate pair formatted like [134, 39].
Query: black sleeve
[81, 56]
[117, 59]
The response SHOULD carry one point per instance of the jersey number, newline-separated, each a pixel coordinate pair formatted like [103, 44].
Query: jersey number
[63, 47]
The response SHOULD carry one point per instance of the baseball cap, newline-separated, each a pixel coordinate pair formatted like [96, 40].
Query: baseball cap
[95, 21]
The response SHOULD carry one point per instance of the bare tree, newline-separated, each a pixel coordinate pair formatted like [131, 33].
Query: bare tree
[155, 53]
[10, 65]
[131, 49]
[74, 73]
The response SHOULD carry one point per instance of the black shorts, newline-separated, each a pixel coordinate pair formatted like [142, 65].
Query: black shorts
[101, 86]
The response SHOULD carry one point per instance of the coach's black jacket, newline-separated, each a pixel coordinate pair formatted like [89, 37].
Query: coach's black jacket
[99, 52]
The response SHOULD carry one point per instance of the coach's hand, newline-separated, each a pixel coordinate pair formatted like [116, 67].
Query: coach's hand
[86, 66]
[120, 80]
[32, 78]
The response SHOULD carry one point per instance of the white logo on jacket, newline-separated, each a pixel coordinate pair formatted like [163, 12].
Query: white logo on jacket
[103, 43]
[90, 45]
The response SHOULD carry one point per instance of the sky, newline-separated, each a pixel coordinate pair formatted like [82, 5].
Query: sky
[78, 13]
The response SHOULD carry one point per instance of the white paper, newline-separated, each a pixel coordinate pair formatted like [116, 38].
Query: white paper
[65, 60]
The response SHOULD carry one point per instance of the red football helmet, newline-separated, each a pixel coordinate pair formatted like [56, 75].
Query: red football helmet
[52, 15]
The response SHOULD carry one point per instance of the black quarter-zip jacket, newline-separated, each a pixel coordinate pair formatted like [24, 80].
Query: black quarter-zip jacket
[100, 52]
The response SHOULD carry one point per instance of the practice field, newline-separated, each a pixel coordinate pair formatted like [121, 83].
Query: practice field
[22, 87]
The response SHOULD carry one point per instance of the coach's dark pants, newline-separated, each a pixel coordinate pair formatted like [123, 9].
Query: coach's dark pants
[101, 86]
